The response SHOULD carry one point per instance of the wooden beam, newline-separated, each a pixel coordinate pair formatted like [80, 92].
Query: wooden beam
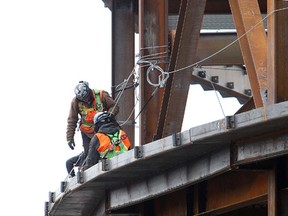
[250, 29]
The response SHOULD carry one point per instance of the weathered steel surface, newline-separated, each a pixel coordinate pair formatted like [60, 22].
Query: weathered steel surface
[153, 18]
[252, 39]
[236, 188]
[201, 152]
[173, 179]
[176, 90]
[210, 43]
[223, 90]
[265, 148]
[212, 7]
[278, 52]
[163, 204]
[272, 192]
[123, 61]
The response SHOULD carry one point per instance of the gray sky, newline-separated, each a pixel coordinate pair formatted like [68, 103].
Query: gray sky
[46, 47]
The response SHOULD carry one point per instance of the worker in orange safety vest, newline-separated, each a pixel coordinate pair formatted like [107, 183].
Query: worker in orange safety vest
[87, 103]
[109, 139]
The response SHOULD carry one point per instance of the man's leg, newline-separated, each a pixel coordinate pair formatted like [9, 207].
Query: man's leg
[70, 165]
[86, 141]
[93, 155]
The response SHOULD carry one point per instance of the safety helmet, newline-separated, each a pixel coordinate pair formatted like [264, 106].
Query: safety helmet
[82, 91]
[103, 117]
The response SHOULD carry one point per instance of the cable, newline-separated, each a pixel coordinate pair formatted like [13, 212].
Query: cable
[154, 47]
[219, 51]
[162, 78]
[165, 75]
[151, 96]
[121, 92]
[215, 68]
[153, 67]
[133, 110]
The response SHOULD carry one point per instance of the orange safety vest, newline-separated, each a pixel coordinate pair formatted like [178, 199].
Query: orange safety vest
[88, 113]
[113, 144]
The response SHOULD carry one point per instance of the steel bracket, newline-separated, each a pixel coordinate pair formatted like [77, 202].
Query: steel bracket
[176, 139]
[51, 197]
[230, 122]
[105, 164]
[62, 186]
[46, 208]
[80, 177]
[138, 152]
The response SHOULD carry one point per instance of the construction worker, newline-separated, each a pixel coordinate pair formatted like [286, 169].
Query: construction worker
[75, 161]
[109, 139]
[87, 103]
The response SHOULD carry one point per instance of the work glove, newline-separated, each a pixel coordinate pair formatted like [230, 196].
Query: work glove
[71, 143]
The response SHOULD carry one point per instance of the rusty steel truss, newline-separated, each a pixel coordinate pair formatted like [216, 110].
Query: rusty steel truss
[234, 166]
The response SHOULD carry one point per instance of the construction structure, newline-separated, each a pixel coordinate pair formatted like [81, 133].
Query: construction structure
[234, 166]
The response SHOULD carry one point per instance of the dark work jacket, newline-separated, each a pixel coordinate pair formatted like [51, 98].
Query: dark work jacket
[93, 155]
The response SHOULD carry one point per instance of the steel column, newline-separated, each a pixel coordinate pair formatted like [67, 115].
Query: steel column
[123, 59]
[153, 33]
[250, 30]
[278, 51]
[272, 188]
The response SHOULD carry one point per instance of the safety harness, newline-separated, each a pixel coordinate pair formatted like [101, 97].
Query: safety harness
[116, 143]
[98, 97]
[88, 113]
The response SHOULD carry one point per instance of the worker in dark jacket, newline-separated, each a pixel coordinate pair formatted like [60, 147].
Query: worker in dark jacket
[109, 139]
[87, 103]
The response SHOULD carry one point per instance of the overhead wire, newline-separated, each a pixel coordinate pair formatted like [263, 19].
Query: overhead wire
[117, 98]
[222, 69]
[124, 84]
[230, 44]
[151, 63]
[151, 68]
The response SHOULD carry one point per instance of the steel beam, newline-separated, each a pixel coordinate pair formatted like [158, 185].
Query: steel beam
[278, 51]
[241, 188]
[162, 205]
[267, 148]
[272, 192]
[212, 6]
[192, 172]
[251, 33]
[210, 43]
[201, 153]
[183, 55]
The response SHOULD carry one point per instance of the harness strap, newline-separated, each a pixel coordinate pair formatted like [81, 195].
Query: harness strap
[98, 95]
[114, 138]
